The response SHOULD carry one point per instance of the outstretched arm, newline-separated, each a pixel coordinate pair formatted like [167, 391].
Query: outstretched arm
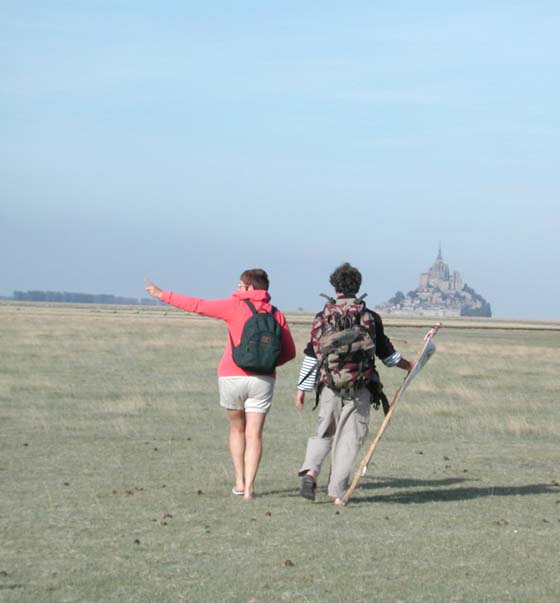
[214, 308]
[153, 289]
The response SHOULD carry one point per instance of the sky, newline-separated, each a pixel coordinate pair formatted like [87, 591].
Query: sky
[187, 141]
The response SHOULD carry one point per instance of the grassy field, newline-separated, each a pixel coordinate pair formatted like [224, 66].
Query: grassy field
[115, 475]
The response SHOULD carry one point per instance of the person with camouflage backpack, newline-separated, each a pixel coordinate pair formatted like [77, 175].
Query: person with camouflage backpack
[339, 363]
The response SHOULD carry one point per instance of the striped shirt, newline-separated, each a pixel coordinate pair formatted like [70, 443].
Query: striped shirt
[308, 371]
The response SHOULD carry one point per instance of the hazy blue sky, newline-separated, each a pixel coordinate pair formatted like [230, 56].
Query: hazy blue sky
[186, 141]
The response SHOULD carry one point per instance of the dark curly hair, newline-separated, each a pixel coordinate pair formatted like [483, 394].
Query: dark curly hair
[346, 280]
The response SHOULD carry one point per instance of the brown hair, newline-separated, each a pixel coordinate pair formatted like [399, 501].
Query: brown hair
[346, 279]
[256, 277]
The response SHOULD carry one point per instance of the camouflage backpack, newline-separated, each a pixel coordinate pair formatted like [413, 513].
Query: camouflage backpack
[343, 338]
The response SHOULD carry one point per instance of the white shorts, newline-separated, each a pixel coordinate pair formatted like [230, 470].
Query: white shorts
[251, 393]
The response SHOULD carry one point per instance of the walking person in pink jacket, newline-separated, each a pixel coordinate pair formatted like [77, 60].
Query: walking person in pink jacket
[245, 394]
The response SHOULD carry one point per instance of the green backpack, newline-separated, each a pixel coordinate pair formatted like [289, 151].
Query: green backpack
[261, 342]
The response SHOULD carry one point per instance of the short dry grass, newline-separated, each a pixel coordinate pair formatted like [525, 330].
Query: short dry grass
[116, 477]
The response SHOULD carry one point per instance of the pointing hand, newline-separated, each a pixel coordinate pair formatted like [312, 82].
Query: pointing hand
[152, 289]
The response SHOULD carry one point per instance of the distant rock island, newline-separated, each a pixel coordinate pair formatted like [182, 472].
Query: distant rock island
[439, 293]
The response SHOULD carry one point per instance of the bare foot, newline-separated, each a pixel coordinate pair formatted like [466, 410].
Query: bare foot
[248, 496]
[337, 501]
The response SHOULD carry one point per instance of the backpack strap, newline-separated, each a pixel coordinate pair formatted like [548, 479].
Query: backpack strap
[254, 310]
[251, 306]
[318, 391]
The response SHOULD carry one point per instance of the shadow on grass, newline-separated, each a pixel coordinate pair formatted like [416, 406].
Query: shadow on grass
[405, 482]
[437, 494]
[377, 484]
[426, 491]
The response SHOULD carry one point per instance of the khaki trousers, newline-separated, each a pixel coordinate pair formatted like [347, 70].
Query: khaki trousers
[342, 427]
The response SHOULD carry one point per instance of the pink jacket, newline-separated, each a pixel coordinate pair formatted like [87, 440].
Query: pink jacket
[235, 313]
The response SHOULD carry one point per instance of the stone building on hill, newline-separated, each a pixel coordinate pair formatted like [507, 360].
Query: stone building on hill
[439, 293]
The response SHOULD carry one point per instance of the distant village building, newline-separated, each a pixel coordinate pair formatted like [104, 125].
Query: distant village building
[439, 293]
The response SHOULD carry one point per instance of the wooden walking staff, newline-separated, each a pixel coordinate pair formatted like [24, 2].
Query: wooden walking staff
[423, 355]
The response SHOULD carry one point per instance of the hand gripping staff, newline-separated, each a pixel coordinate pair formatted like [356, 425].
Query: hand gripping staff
[424, 354]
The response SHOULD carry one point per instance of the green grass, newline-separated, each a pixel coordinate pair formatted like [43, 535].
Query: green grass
[116, 477]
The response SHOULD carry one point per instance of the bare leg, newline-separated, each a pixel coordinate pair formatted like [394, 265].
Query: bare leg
[237, 423]
[253, 450]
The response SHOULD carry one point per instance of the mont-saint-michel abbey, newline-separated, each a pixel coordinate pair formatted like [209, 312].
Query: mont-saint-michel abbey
[440, 292]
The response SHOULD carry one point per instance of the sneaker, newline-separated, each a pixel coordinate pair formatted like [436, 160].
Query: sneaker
[308, 487]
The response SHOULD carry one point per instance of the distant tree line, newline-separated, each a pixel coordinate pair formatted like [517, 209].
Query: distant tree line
[397, 298]
[485, 308]
[80, 298]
